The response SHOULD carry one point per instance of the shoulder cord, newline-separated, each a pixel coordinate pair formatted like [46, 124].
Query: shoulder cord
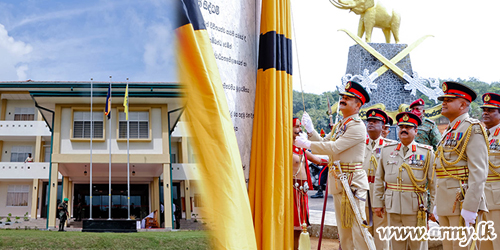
[414, 180]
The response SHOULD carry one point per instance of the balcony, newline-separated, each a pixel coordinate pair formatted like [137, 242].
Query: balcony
[15, 130]
[21, 170]
[185, 171]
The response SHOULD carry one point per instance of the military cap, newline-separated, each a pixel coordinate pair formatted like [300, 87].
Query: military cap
[408, 118]
[389, 121]
[377, 114]
[296, 121]
[418, 102]
[491, 100]
[456, 89]
[354, 89]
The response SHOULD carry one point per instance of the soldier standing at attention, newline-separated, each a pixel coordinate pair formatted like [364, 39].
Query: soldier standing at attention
[491, 119]
[406, 169]
[461, 162]
[63, 213]
[428, 132]
[346, 143]
[375, 124]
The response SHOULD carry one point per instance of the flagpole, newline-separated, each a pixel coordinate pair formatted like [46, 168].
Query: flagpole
[128, 156]
[109, 140]
[91, 136]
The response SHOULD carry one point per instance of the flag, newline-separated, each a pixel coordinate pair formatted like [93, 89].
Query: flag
[322, 133]
[270, 184]
[125, 102]
[225, 196]
[107, 112]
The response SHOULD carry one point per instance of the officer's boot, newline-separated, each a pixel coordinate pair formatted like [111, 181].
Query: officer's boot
[319, 194]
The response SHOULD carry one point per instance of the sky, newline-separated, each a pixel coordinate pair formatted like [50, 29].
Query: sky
[46, 40]
[465, 42]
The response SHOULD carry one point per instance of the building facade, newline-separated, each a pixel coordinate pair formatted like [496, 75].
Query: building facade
[52, 122]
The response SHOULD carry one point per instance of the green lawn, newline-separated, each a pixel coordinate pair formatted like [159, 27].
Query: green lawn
[33, 239]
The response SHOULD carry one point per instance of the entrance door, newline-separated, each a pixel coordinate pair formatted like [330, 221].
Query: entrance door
[45, 198]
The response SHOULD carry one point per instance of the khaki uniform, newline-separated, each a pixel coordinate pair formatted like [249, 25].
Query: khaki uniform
[492, 188]
[346, 143]
[406, 177]
[470, 170]
[370, 164]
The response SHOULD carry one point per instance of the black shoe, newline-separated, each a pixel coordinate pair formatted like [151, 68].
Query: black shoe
[317, 195]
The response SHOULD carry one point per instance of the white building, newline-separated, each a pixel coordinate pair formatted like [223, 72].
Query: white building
[51, 121]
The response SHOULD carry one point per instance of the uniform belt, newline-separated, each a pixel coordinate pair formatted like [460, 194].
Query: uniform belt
[401, 187]
[493, 178]
[351, 167]
[461, 172]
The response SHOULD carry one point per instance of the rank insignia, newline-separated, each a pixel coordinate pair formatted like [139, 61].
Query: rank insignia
[487, 98]
[445, 87]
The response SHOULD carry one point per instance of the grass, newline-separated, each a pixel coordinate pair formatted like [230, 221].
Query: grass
[34, 239]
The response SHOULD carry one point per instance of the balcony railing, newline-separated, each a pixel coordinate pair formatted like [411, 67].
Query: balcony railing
[24, 128]
[21, 170]
[185, 171]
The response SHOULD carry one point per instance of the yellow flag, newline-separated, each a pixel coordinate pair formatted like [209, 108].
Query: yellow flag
[125, 102]
[270, 184]
[226, 205]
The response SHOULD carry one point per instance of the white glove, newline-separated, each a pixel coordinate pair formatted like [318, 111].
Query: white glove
[301, 141]
[307, 122]
[469, 217]
[434, 212]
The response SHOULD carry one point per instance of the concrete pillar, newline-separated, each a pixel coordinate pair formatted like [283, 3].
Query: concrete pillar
[156, 198]
[53, 195]
[65, 193]
[152, 192]
[187, 199]
[167, 196]
[3, 110]
[1, 150]
[34, 199]
[70, 198]
[38, 149]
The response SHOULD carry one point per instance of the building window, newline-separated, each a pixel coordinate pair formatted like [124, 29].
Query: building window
[17, 195]
[81, 124]
[19, 153]
[173, 158]
[24, 114]
[138, 125]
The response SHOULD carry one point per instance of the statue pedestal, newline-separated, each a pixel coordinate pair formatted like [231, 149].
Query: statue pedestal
[390, 87]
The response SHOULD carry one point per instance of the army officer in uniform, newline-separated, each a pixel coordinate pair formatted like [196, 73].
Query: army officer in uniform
[406, 170]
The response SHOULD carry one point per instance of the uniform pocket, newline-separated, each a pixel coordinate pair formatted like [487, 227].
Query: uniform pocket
[496, 196]
[414, 201]
[388, 199]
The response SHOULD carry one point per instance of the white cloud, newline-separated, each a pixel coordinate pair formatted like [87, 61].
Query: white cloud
[14, 55]
[158, 51]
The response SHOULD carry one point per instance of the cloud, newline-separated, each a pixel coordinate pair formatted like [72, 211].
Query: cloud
[158, 51]
[15, 55]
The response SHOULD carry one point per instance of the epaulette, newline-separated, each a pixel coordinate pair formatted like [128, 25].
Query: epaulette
[430, 121]
[356, 119]
[472, 120]
[390, 141]
[425, 146]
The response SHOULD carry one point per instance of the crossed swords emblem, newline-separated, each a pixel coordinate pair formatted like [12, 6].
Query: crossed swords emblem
[391, 64]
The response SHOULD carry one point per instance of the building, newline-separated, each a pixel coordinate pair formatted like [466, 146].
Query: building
[51, 121]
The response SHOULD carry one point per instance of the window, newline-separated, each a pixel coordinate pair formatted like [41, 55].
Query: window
[138, 125]
[17, 195]
[20, 153]
[81, 124]
[173, 158]
[24, 114]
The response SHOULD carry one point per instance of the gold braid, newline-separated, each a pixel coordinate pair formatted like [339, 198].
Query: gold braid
[414, 180]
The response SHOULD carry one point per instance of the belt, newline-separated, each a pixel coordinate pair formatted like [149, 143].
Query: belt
[492, 178]
[351, 167]
[401, 187]
[461, 172]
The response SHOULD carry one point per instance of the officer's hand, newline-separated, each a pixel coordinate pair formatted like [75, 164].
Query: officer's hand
[307, 122]
[469, 217]
[434, 214]
[379, 211]
[301, 141]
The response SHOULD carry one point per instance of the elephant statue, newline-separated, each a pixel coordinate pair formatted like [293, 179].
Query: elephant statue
[373, 14]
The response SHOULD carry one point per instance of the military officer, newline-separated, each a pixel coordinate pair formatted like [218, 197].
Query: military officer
[461, 162]
[402, 180]
[491, 119]
[346, 144]
[428, 132]
[387, 127]
[375, 124]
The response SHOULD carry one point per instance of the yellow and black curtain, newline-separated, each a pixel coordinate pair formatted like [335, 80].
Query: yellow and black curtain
[270, 180]
[226, 204]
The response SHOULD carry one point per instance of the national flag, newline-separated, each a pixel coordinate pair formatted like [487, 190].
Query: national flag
[125, 102]
[212, 132]
[270, 184]
[107, 112]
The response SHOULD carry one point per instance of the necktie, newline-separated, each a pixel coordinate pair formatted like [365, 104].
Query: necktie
[405, 150]
[373, 143]
[488, 132]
